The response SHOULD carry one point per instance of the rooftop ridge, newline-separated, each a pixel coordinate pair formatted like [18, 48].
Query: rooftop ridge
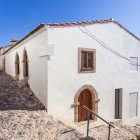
[59, 24]
[4, 46]
[88, 22]
[79, 22]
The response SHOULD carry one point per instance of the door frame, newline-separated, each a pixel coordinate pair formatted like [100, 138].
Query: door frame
[85, 98]
[17, 65]
[94, 100]
[3, 65]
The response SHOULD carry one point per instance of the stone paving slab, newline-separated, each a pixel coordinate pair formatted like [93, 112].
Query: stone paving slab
[12, 97]
[121, 132]
[23, 117]
[33, 125]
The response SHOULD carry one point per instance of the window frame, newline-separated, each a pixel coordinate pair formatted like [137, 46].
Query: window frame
[137, 102]
[86, 70]
[134, 65]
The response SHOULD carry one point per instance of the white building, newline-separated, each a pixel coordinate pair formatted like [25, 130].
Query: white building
[92, 63]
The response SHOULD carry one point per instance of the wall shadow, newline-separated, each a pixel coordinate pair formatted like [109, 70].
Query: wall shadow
[12, 97]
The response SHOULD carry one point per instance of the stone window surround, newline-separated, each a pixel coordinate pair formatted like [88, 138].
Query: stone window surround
[79, 60]
[131, 63]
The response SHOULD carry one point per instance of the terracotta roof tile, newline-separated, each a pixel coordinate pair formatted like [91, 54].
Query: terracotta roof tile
[79, 23]
[5, 46]
[26, 36]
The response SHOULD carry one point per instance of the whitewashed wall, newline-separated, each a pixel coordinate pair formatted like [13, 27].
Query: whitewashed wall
[112, 72]
[1, 57]
[37, 64]
[58, 76]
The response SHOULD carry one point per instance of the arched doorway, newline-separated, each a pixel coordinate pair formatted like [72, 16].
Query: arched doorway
[17, 68]
[25, 65]
[87, 96]
[3, 64]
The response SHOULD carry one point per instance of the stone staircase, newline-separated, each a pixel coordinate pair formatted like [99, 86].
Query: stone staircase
[121, 132]
[99, 131]
[23, 117]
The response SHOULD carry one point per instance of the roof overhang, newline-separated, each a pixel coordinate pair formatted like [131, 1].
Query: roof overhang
[63, 24]
[26, 36]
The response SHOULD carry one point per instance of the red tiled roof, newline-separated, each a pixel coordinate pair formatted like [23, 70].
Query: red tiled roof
[71, 24]
[26, 36]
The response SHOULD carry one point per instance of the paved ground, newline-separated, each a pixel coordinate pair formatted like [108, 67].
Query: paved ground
[14, 98]
[121, 132]
[25, 118]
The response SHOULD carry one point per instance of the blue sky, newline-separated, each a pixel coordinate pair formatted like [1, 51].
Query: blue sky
[17, 17]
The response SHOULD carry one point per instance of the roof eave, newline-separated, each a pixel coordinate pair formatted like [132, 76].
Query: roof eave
[71, 24]
[26, 36]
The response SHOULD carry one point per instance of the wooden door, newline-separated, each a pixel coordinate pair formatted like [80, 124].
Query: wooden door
[85, 98]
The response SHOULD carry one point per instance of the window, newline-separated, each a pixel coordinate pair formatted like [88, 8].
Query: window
[86, 60]
[134, 63]
[133, 104]
[118, 103]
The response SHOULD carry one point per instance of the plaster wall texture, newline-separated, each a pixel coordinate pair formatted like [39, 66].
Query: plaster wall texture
[1, 57]
[37, 65]
[112, 72]
[55, 79]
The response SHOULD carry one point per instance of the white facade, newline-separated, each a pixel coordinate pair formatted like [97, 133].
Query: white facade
[53, 67]
[2, 50]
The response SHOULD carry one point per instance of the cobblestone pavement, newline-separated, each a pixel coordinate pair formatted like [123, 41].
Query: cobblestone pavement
[25, 118]
[121, 132]
[13, 97]
[33, 125]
